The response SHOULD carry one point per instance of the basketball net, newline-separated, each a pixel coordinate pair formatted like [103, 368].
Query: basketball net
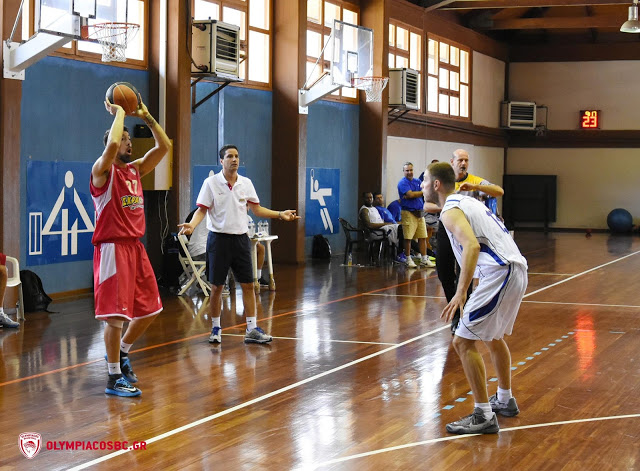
[372, 86]
[113, 37]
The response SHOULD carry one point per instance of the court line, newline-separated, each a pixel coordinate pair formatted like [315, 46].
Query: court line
[404, 295]
[206, 334]
[582, 304]
[322, 340]
[550, 274]
[459, 437]
[260, 399]
[580, 274]
[320, 375]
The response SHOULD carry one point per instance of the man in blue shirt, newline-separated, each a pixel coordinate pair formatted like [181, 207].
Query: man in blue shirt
[385, 213]
[413, 225]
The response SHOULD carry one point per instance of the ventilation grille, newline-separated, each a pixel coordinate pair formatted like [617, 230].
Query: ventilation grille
[404, 88]
[518, 115]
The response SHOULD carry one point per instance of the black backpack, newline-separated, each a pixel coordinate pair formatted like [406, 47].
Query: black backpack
[35, 299]
[320, 247]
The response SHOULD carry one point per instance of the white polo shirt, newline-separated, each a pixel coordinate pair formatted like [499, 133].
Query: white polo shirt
[227, 206]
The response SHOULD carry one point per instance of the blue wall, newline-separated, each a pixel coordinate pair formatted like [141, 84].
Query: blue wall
[63, 118]
[332, 142]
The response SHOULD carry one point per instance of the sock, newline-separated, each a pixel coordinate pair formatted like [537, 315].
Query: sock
[1, 310]
[124, 349]
[486, 409]
[251, 323]
[259, 273]
[216, 322]
[114, 368]
[504, 395]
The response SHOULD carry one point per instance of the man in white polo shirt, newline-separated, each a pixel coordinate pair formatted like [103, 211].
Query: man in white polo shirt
[225, 198]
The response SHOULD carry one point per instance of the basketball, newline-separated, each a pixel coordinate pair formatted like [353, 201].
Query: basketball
[125, 95]
[620, 220]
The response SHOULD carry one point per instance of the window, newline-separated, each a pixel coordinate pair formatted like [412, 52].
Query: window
[137, 12]
[254, 19]
[405, 47]
[320, 16]
[448, 78]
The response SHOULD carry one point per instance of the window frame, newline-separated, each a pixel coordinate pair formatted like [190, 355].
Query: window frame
[323, 30]
[451, 68]
[243, 6]
[406, 53]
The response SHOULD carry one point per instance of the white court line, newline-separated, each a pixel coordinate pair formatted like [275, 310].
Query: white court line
[259, 399]
[580, 274]
[459, 437]
[582, 304]
[551, 274]
[321, 340]
[404, 295]
[313, 378]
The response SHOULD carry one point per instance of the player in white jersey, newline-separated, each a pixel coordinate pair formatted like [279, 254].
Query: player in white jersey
[482, 245]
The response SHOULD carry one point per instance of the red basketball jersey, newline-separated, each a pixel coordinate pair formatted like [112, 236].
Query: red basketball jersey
[119, 206]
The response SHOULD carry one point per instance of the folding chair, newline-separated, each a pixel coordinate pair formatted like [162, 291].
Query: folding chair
[194, 269]
[353, 236]
[13, 273]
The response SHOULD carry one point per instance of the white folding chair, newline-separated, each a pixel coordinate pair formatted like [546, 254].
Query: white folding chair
[13, 273]
[193, 268]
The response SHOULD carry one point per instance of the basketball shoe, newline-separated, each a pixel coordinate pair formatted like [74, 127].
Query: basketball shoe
[257, 335]
[474, 423]
[6, 321]
[117, 385]
[216, 335]
[126, 368]
[508, 409]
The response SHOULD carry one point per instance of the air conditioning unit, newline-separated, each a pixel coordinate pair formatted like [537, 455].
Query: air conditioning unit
[518, 115]
[215, 49]
[404, 88]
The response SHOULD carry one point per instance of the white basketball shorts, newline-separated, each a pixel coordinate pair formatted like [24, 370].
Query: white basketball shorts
[492, 308]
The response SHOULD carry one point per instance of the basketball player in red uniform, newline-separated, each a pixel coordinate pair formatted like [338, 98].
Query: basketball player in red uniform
[124, 283]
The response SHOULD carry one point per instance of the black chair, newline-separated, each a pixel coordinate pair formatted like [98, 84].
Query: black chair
[377, 243]
[353, 236]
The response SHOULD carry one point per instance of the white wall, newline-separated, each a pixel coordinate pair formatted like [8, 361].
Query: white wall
[488, 90]
[486, 162]
[591, 182]
[568, 87]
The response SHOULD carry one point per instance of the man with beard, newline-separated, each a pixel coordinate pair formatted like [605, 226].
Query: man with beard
[125, 287]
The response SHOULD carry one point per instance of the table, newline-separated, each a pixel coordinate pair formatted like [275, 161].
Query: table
[254, 259]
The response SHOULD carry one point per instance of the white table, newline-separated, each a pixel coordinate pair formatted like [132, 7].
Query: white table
[254, 259]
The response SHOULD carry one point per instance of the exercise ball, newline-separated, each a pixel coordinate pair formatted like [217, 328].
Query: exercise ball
[620, 220]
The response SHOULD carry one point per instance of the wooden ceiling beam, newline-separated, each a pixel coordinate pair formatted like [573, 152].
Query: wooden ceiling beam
[604, 21]
[490, 4]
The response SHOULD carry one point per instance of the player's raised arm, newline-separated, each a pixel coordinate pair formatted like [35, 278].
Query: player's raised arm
[153, 157]
[102, 166]
[262, 212]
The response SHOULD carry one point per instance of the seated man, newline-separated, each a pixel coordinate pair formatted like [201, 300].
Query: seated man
[5, 321]
[371, 218]
[396, 210]
[198, 241]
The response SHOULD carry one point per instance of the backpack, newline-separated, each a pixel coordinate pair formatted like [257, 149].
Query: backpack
[320, 247]
[34, 296]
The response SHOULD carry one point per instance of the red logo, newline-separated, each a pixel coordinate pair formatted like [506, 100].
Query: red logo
[30, 444]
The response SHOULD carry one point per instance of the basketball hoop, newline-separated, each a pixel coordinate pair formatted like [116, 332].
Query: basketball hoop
[113, 37]
[372, 86]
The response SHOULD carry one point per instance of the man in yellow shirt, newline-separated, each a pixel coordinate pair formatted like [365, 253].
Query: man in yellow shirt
[469, 185]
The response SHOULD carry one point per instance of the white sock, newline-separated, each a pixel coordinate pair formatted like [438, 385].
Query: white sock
[259, 273]
[1, 310]
[215, 321]
[504, 395]
[114, 368]
[125, 347]
[486, 409]
[251, 323]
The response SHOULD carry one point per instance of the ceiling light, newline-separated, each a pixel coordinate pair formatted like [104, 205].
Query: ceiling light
[632, 25]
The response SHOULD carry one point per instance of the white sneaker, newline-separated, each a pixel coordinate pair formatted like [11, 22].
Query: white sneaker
[425, 262]
[411, 263]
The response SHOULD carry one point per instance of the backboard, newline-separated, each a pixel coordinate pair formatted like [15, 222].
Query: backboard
[352, 53]
[67, 17]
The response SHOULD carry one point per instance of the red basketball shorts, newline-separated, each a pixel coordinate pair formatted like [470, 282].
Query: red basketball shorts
[3, 259]
[124, 283]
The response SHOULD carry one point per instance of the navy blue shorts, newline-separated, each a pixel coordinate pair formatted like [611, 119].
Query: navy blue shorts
[226, 251]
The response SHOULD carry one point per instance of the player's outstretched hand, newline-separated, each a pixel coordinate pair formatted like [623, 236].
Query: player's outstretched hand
[457, 302]
[186, 229]
[111, 107]
[289, 215]
[142, 110]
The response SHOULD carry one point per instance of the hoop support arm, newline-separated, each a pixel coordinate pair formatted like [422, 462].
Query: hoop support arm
[319, 89]
[18, 56]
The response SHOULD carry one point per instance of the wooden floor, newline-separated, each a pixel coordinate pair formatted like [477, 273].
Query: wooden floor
[360, 375]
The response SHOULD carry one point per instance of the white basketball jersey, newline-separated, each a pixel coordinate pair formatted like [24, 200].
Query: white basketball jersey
[497, 247]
